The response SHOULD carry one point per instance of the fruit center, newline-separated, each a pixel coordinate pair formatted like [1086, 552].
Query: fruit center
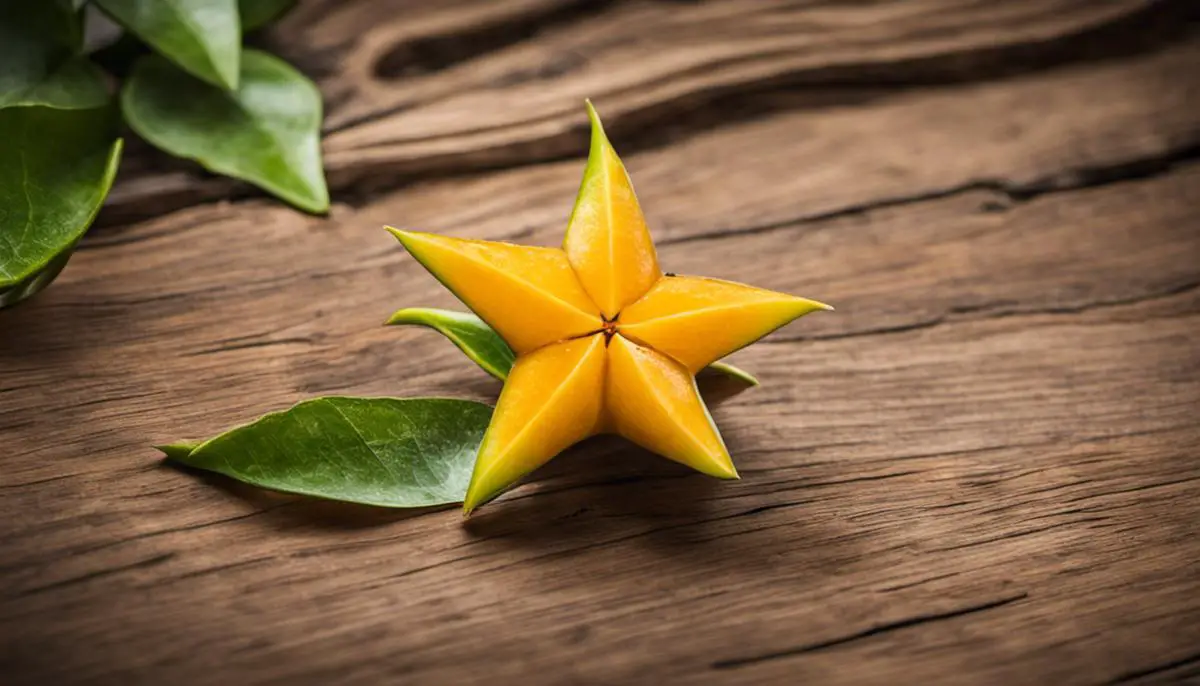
[609, 327]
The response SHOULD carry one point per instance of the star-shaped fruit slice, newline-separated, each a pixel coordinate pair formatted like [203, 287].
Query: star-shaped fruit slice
[605, 342]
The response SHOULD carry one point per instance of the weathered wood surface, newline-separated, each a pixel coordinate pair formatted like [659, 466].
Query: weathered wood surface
[418, 88]
[983, 468]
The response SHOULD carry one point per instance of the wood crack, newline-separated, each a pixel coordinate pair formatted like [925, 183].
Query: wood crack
[1017, 534]
[1012, 193]
[177, 529]
[438, 52]
[805, 485]
[98, 574]
[1157, 669]
[550, 135]
[952, 315]
[297, 340]
[878, 630]
[205, 571]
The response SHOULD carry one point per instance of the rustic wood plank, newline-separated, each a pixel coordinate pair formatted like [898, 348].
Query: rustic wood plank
[982, 467]
[1058, 129]
[462, 85]
[930, 537]
[301, 305]
[927, 482]
[642, 54]
[1026, 136]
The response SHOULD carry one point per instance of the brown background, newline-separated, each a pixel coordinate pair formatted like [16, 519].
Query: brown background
[983, 468]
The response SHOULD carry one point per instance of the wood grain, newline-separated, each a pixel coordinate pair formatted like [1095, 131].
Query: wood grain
[983, 468]
[501, 83]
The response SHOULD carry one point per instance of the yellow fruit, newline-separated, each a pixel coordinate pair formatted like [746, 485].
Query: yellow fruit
[530, 296]
[607, 241]
[652, 400]
[605, 342]
[552, 399]
[698, 321]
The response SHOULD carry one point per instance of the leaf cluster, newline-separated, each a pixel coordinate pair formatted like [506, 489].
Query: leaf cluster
[192, 90]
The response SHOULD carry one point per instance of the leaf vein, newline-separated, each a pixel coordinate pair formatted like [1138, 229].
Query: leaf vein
[362, 439]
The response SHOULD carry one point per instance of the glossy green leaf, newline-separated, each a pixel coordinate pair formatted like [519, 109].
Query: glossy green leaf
[390, 452]
[486, 349]
[267, 133]
[468, 332]
[75, 84]
[178, 451]
[56, 167]
[57, 20]
[37, 62]
[29, 287]
[204, 37]
[257, 13]
[726, 369]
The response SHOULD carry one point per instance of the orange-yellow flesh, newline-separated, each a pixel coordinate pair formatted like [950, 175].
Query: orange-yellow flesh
[698, 321]
[652, 400]
[607, 241]
[529, 295]
[552, 399]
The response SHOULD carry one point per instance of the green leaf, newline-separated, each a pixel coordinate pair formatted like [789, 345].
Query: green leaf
[178, 451]
[31, 286]
[468, 332]
[56, 167]
[257, 13]
[267, 133]
[76, 84]
[203, 37]
[488, 350]
[726, 369]
[390, 452]
[37, 44]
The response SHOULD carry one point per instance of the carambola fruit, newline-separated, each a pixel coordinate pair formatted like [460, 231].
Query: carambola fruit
[605, 342]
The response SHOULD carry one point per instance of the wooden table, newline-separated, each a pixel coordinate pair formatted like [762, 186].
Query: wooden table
[983, 468]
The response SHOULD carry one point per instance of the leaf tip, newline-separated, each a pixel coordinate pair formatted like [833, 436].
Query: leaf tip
[404, 316]
[732, 372]
[313, 199]
[228, 68]
[177, 452]
[319, 208]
